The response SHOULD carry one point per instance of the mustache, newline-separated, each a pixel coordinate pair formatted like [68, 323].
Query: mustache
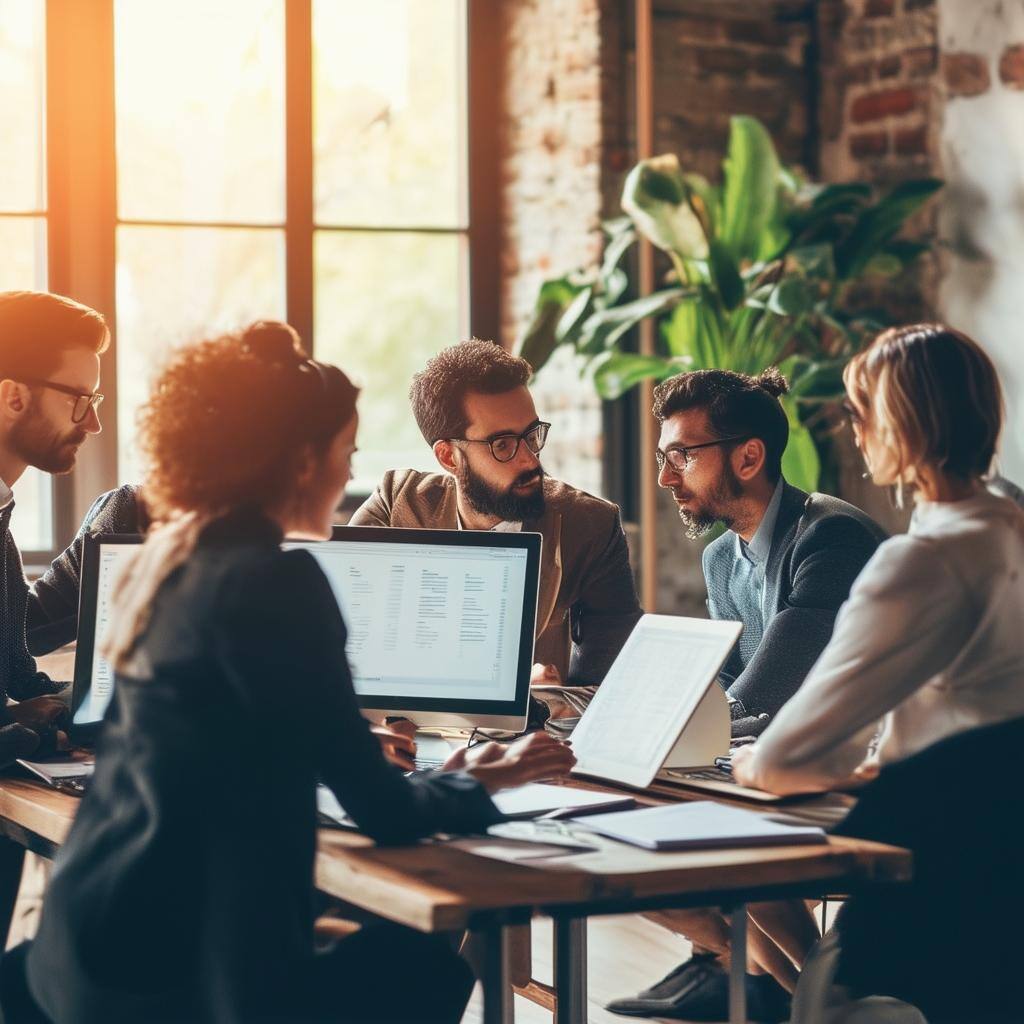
[528, 477]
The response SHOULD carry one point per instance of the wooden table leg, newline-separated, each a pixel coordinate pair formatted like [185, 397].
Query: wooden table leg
[494, 974]
[738, 965]
[12, 859]
[570, 970]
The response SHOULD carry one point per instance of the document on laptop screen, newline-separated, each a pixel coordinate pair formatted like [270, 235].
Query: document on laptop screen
[649, 694]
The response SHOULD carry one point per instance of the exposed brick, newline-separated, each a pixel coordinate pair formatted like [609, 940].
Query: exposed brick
[766, 33]
[1011, 66]
[913, 5]
[965, 74]
[920, 61]
[889, 67]
[721, 59]
[911, 141]
[868, 144]
[879, 8]
[859, 73]
[874, 106]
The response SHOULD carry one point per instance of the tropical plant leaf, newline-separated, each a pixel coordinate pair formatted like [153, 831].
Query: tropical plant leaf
[750, 189]
[878, 224]
[621, 371]
[569, 323]
[657, 199]
[725, 274]
[540, 339]
[792, 296]
[603, 328]
[801, 464]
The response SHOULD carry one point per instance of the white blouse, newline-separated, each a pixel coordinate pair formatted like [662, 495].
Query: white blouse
[930, 642]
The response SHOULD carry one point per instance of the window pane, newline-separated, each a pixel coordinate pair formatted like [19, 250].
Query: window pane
[384, 304]
[22, 105]
[200, 110]
[179, 284]
[32, 521]
[23, 253]
[389, 112]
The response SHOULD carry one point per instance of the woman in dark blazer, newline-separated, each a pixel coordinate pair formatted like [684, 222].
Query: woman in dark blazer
[185, 890]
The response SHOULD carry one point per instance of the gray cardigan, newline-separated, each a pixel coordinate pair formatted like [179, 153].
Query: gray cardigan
[819, 547]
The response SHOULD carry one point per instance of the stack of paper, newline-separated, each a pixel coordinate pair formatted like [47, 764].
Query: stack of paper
[698, 825]
[537, 798]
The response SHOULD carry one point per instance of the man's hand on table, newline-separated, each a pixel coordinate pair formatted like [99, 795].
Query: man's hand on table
[397, 742]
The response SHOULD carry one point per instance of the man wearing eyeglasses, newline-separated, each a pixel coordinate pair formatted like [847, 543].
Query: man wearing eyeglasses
[474, 409]
[49, 374]
[783, 567]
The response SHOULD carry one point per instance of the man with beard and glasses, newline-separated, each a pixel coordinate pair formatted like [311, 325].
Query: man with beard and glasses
[473, 408]
[783, 567]
[49, 375]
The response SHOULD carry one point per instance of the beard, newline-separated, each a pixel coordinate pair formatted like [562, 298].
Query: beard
[36, 443]
[701, 518]
[504, 503]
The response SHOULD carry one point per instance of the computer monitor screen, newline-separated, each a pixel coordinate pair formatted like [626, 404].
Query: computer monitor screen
[103, 557]
[440, 622]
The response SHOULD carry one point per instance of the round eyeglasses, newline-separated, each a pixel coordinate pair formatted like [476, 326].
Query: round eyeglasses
[84, 400]
[679, 457]
[505, 447]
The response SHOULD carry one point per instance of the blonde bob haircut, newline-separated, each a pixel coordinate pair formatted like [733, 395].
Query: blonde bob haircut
[932, 397]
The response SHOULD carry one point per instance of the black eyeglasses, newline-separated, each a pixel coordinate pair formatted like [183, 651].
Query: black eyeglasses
[84, 400]
[505, 447]
[679, 457]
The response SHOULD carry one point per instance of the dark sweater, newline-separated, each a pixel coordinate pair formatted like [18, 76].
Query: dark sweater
[18, 675]
[185, 889]
[52, 611]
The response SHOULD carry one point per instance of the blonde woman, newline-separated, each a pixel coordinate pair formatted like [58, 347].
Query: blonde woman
[930, 643]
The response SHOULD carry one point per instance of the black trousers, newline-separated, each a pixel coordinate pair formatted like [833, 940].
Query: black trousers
[383, 974]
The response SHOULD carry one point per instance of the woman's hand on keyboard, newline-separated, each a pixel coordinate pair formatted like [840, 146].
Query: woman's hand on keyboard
[497, 766]
[397, 744]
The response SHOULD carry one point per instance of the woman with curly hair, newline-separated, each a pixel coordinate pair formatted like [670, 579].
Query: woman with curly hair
[185, 889]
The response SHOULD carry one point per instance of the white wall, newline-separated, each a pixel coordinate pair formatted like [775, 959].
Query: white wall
[983, 214]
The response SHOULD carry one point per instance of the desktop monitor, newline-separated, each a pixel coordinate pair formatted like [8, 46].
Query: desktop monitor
[440, 622]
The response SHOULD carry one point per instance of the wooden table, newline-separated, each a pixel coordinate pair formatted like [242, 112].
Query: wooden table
[433, 887]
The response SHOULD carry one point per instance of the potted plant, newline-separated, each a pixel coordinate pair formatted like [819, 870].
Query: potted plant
[762, 273]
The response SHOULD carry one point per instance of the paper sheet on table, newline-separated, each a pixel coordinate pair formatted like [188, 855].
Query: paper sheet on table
[540, 798]
[69, 768]
[648, 695]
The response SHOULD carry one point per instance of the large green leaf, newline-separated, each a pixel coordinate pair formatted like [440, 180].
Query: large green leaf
[878, 224]
[540, 339]
[656, 197]
[801, 464]
[749, 192]
[602, 329]
[725, 274]
[623, 370]
[571, 321]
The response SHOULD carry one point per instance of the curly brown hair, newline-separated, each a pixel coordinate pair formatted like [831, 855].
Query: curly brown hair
[438, 391]
[229, 418]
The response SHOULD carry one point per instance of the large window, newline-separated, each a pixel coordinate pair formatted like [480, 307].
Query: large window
[306, 160]
[23, 211]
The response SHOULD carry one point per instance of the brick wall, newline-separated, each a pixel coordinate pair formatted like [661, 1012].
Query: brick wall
[553, 198]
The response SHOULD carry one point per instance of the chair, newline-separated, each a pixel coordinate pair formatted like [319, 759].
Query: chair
[948, 941]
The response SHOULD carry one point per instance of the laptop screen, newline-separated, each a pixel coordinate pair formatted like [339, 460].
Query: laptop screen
[102, 560]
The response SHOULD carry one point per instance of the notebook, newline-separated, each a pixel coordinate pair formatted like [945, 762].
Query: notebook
[698, 825]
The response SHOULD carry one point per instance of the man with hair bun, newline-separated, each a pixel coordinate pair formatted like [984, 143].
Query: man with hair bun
[783, 567]
[473, 408]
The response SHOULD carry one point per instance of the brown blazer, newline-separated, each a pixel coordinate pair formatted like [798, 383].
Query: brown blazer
[587, 604]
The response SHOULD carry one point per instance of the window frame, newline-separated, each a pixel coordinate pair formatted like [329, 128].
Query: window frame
[82, 216]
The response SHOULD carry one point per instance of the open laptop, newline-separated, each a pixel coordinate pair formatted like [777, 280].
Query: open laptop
[660, 714]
